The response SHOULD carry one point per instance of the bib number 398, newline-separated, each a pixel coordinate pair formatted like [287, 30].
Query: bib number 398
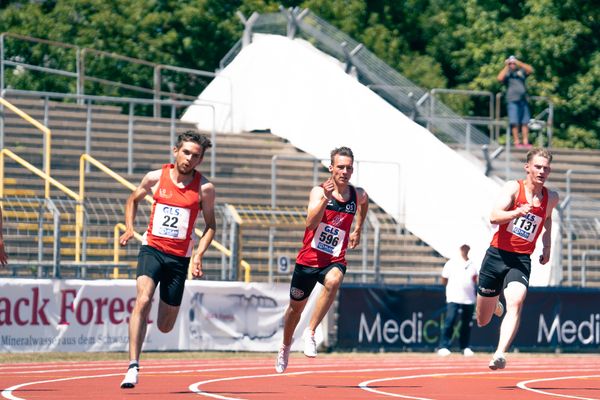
[328, 239]
[170, 222]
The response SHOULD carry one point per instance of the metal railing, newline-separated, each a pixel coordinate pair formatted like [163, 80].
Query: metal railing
[583, 205]
[317, 164]
[44, 129]
[130, 103]
[48, 180]
[584, 257]
[86, 158]
[80, 66]
[272, 219]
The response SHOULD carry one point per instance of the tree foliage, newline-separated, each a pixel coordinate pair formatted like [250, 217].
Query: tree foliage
[436, 43]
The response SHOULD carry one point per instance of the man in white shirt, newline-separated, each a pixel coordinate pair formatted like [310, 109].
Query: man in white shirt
[460, 277]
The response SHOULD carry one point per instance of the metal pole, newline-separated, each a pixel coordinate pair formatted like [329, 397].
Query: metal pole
[172, 134]
[88, 133]
[507, 160]
[157, 87]
[271, 240]
[40, 271]
[274, 181]
[224, 241]
[130, 140]
[550, 122]
[468, 138]
[365, 252]
[569, 232]
[2, 63]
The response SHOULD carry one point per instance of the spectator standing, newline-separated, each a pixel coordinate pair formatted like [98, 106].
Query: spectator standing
[513, 75]
[459, 276]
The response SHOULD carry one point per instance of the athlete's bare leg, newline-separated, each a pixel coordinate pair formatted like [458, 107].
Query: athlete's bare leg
[291, 318]
[139, 316]
[333, 280]
[514, 294]
[485, 309]
[167, 315]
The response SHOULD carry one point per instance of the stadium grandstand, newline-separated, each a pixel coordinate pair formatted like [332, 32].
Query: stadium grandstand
[289, 91]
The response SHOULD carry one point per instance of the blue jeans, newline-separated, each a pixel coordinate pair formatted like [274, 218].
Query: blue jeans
[453, 310]
[518, 112]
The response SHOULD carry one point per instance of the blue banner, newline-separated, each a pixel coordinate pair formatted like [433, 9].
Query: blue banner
[401, 318]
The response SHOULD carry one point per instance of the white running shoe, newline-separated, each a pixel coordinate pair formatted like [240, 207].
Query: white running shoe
[131, 378]
[444, 352]
[467, 352]
[310, 344]
[499, 311]
[282, 359]
[498, 361]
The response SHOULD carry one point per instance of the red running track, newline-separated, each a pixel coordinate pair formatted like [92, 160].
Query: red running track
[348, 376]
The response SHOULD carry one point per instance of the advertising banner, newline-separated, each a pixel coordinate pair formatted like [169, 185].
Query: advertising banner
[402, 318]
[77, 315]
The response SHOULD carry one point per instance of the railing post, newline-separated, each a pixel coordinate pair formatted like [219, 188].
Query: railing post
[157, 90]
[2, 66]
[234, 260]
[549, 124]
[40, 271]
[88, 132]
[130, 140]
[274, 181]
[468, 138]
[172, 135]
[569, 232]
[82, 70]
[56, 236]
[271, 251]
[507, 160]
[365, 251]
[79, 71]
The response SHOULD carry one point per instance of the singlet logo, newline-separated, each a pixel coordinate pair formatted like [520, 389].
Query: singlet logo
[162, 192]
[351, 207]
[337, 220]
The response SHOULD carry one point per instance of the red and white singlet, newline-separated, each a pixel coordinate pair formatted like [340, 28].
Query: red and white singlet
[520, 234]
[327, 244]
[173, 215]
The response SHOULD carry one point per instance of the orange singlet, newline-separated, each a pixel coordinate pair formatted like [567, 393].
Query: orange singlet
[520, 234]
[173, 215]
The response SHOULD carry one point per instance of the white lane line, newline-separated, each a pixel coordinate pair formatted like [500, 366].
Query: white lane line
[8, 393]
[365, 385]
[523, 385]
[195, 387]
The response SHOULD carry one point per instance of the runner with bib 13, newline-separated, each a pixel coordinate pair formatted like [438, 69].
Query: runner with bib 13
[522, 211]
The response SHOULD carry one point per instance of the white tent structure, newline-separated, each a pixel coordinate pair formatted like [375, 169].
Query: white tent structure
[303, 95]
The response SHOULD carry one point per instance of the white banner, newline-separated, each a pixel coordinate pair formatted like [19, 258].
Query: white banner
[77, 315]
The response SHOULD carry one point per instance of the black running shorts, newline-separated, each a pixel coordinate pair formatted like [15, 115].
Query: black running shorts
[168, 270]
[500, 267]
[305, 278]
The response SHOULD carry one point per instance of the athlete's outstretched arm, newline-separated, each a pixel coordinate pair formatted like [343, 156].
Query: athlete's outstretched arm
[145, 188]
[547, 235]
[500, 214]
[208, 195]
[361, 215]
